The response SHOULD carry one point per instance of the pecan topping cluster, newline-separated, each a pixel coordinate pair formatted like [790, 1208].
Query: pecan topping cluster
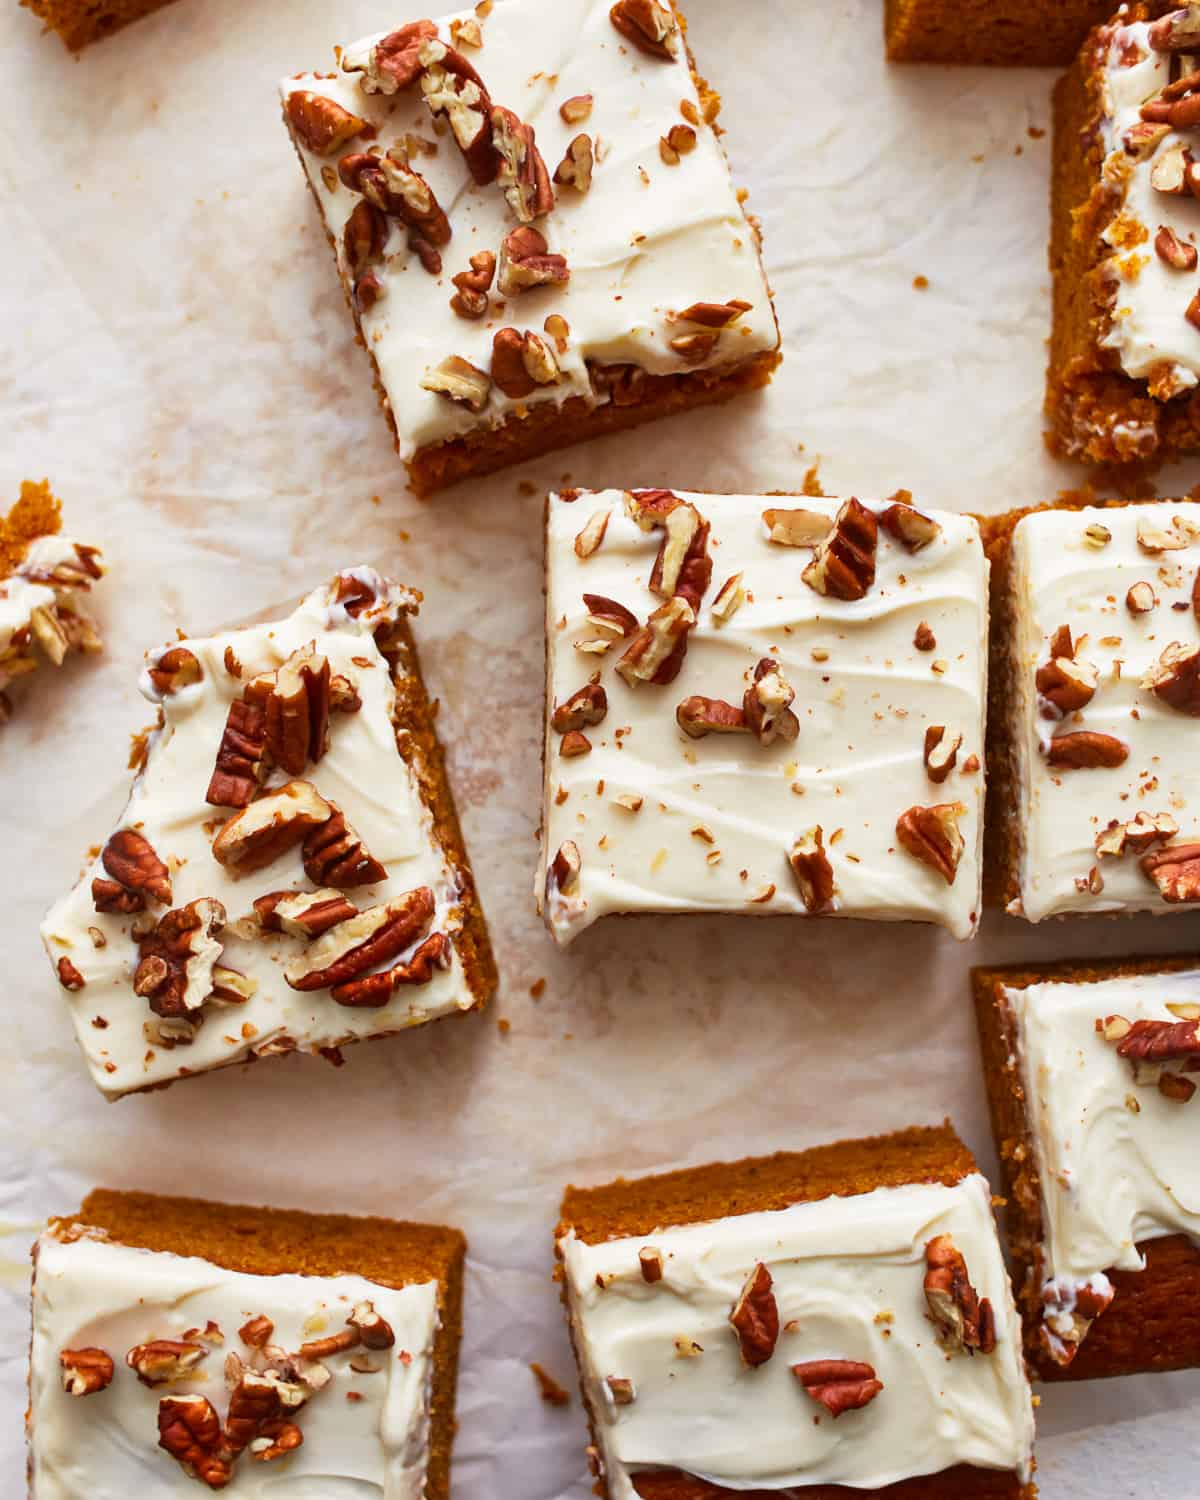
[965, 1321]
[681, 575]
[58, 627]
[1160, 1052]
[1069, 1310]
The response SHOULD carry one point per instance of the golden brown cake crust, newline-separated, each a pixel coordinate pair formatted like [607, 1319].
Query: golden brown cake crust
[274, 1241]
[1018, 33]
[963, 1482]
[1153, 1322]
[36, 514]
[81, 22]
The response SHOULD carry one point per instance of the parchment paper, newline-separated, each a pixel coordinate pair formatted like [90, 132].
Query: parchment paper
[177, 358]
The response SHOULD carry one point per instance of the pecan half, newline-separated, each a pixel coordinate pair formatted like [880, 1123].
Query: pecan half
[813, 871]
[1065, 683]
[843, 564]
[190, 1431]
[941, 751]
[912, 528]
[131, 861]
[1084, 749]
[575, 169]
[458, 380]
[303, 914]
[1175, 870]
[525, 261]
[1175, 679]
[454, 90]
[85, 1371]
[177, 958]
[335, 855]
[374, 1331]
[394, 62]
[755, 1318]
[471, 298]
[268, 828]
[1154, 1042]
[364, 237]
[240, 756]
[964, 1320]
[623, 384]
[174, 670]
[297, 707]
[522, 174]
[373, 990]
[320, 122]
[164, 1360]
[608, 611]
[657, 651]
[255, 1400]
[360, 942]
[521, 362]
[582, 709]
[651, 27]
[767, 702]
[838, 1384]
[796, 528]
[698, 716]
[931, 835]
[1137, 835]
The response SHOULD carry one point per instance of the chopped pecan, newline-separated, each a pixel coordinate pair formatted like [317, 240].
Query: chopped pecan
[1065, 683]
[390, 185]
[1175, 679]
[131, 861]
[1177, 253]
[255, 1400]
[173, 670]
[582, 709]
[621, 1390]
[240, 755]
[525, 261]
[766, 704]
[1137, 835]
[608, 610]
[373, 1329]
[651, 27]
[69, 976]
[650, 1264]
[712, 315]
[838, 1384]
[177, 958]
[1178, 31]
[335, 855]
[1142, 139]
[755, 1318]
[1140, 598]
[912, 528]
[730, 598]
[394, 62]
[656, 652]
[698, 716]
[471, 298]
[369, 288]
[575, 169]
[1070, 1309]
[813, 871]
[1084, 749]
[843, 563]
[303, 914]
[523, 174]
[1153, 538]
[458, 380]
[364, 236]
[590, 538]
[320, 122]
[683, 566]
[941, 751]
[256, 1332]
[693, 348]
[576, 109]
[164, 1360]
[453, 89]
[1175, 870]
[297, 705]
[521, 362]
[931, 835]
[964, 1320]
[360, 942]
[268, 828]
[331, 1344]
[85, 1371]
[372, 990]
[796, 528]
[276, 1440]
[190, 1431]
[563, 874]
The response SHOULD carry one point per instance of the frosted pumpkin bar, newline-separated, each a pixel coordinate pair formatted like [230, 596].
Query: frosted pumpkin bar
[535, 227]
[797, 1323]
[762, 705]
[288, 873]
[181, 1346]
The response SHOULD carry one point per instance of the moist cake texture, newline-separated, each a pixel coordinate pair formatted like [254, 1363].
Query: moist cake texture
[1019, 33]
[569, 257]
[789, 1345]
[762, 706]
[288, 873]
[81, 22]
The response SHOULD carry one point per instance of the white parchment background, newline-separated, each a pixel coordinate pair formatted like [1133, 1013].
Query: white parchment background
[177, 358]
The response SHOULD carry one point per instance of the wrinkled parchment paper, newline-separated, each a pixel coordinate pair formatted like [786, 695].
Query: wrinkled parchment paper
[177, 358]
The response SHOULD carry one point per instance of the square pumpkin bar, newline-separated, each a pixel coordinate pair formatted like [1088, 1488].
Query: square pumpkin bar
[1018, 33]
[535, 227]
[1090, 1071]
[181, 1346]
[762, 705]
[288, 873]
[800, 1323]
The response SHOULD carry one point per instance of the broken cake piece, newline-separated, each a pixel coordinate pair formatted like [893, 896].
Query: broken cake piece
[535, 228]
[289, 872]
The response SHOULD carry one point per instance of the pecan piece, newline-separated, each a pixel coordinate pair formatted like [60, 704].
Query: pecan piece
[941, 751]
[838, 1384]
[755, 1318]
[525, 261]
[1175, 679]
[255, 1400]
[131, 861]
[177, 958]
[813, 871]
[303, 914]
[173, 670]
[608, 611]
[320, 122]
[521, 362]
[256, 1332]
[1153, 1042]
[190, 1431]
[767, 702]
[1065, 683]
[297, 708]
[931, 835]
[650, 1264]
[239, 764]
[164, 1360]
[1084, 749]
[591, 537]
[656, 652]
[85, 1371]
[69, 976]
[471, 298]
[730, 598]
[682, 566]
[394, 61]
[843, 564]
[964, 1320]
[624, 385]
[651, 27]
[523, 174]
[458, 380]
[360, 942]
[796, 528]
[1175, 870]
[1178, 31]
[581, 710]
[374, 1331]
[575, 169]
[1137, 835]
[912, 528]
[1177, 253]
[453, 89]
[268, 828]
[711, 314]
[1069, 1310]
[276, 1440]
[372, 990]
[576, 109]
[698, 716]
[335, 855]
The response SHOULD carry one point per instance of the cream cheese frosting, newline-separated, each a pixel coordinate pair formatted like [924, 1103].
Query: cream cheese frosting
[362, 773]
[32, 590]
[647, 239]
[711, 820]
[1076, 568]
[848, 1276]
[89, 1293]
[1117, 1160]
[1148, 328]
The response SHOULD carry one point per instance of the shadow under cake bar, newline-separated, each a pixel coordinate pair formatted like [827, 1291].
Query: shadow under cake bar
[1021, 33]
[42, 574]
[180, 1346]
[289, 872]
[762, 705]
[1096, 679]
[1087, 1067]
[1125, 343]
[519, 294]
[81, 22]
[834, 1317]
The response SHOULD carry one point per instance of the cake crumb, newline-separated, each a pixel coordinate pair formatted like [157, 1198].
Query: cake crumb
[812, 485]
[503, 1025]
[1035, 132]
[548, 1388]
[537, 989]
[920, 283]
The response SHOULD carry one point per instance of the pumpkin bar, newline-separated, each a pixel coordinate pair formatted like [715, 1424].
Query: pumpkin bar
[81, 22]
[1096, 675]
[1017, 33]
[762, 705]
[798, 1323]
[181, 1346]
[288, 873]
[1125, 343]
[1090, 1070]
[42, 575]
[534, 226]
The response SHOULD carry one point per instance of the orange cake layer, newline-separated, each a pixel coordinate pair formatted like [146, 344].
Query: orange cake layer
[1020, 33]
[36, 513]
[81, 22]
